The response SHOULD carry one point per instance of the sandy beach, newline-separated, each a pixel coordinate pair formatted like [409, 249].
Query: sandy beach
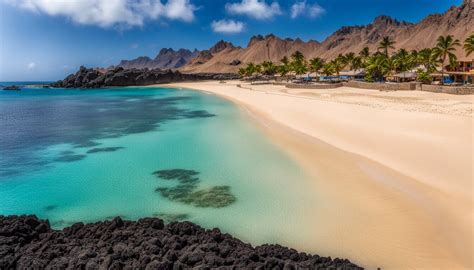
[393, 169]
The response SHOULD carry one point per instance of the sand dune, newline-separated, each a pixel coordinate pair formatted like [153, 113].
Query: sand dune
[393, 170]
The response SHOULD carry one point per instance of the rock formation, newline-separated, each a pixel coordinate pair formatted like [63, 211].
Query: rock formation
[29, 243]
[93, 78]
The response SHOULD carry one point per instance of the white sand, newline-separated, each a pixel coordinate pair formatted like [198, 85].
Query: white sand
[395, 168]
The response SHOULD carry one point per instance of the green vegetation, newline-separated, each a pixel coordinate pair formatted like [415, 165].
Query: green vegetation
[316, 64]
[445, 48]
[298, 63]
[386, 44]
[469, 45]
[378, 65]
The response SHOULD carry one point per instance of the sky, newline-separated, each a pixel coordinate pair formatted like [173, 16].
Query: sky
[45, 40]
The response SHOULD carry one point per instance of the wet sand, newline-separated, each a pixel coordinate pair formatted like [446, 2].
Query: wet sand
[393, 170]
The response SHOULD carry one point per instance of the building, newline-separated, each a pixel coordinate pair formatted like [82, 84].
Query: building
[463, 73]
[404, 77]
[357, 74]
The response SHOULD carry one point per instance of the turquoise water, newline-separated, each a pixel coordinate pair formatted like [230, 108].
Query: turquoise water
[71, 155]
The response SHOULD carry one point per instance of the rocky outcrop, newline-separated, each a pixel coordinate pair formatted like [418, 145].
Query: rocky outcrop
[93, 78]
[167, 58]
[12, 88]
[29, 243]
[220, 46]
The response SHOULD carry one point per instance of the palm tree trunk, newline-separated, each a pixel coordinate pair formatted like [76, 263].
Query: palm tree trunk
[442, 69]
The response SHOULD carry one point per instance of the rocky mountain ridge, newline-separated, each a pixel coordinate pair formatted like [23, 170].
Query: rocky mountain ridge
[456, 21]
[167, 58]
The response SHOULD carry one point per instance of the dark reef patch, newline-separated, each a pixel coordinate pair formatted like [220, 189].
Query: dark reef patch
[176, 174]
[198, 114]
[29, 243]
[187, 190]
[69, 158]
[104, 149]
[86, 144]
[50, 207]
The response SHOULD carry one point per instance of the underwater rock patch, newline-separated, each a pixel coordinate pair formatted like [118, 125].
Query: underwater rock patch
[86, 144]
[178, 174]
[104, 149]
[187, 190]
[217, 197]
[198, 114]
[50, 207]
[69, 158]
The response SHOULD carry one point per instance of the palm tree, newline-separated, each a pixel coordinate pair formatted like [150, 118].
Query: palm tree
[250, 69]
[423, 76]
[337, 65]
[328, 69]
[356, 63]
[364, 53]
[445, 48]
[298, 63]
[258, 69]
[378, 66]
[426, 58]
[284, 61]
[316, 64]
[469, 45]
[403, 61]
[242, 72]
[386, 44]
[414, 57]
[297, 56]
[269, 68]
[299, 68]
[284, 68]
[348, 59]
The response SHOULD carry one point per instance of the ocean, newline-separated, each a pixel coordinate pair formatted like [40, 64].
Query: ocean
[71, 155]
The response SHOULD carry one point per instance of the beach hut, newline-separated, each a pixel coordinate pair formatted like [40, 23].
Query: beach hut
[407, 76]
[357, 74]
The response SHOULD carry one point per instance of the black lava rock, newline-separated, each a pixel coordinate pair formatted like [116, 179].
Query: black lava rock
[93, 78]
[12, 88]
[29, 243]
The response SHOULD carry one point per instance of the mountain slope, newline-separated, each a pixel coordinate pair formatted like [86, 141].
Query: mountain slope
[166, 59]
[457, 21]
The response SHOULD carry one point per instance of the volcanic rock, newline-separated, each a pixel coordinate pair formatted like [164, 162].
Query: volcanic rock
[27, 242]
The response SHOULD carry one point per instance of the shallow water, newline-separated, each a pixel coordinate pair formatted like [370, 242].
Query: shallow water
[71, 155]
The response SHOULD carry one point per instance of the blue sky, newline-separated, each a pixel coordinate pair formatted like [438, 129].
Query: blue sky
[46, 40]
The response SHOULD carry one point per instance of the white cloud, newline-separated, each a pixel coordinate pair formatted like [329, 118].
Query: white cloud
[302, 8]
[31, 65]
[107, 13]
[227, 26]
[257, 9]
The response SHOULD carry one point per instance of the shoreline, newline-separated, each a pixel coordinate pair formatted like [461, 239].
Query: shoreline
[373, 214]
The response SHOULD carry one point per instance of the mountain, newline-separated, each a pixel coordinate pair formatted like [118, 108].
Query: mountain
[259, 49]
[166, 59]
[457, 21]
